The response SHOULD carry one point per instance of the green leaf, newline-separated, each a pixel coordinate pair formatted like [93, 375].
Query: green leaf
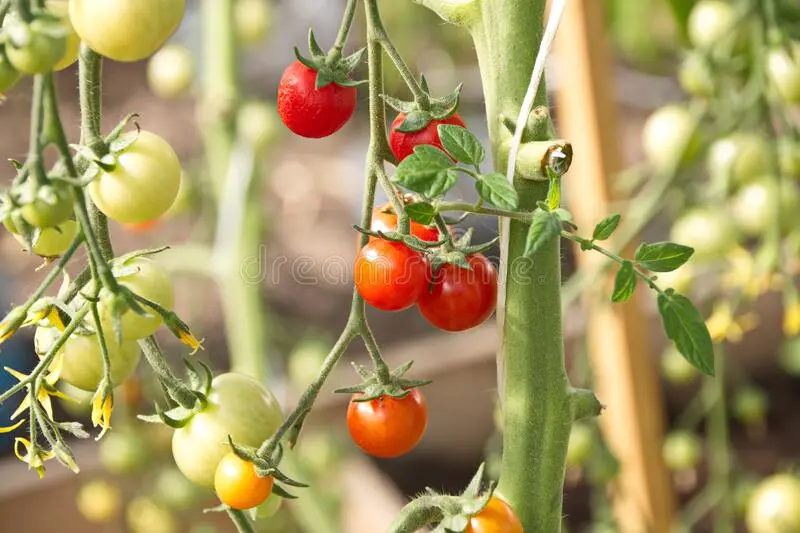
[685, 327]
[496, 190]
[662, 256]
[605, 228]
[624, 283]
[544, 227]
[422, 212]
[461, 144]
[414, 121]
[428, 171]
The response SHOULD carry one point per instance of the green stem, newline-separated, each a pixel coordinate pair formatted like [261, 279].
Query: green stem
[155, 358]
[241, 521]
[335, 53]
[90, 84]
[481, 210]
[35, 163]
[53, 274]
[720, 461]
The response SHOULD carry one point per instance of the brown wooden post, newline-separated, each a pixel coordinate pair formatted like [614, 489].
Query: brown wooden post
[626, 379]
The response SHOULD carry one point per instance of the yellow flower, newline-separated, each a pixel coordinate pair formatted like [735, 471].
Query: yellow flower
[11, 323]
[47, 312]
[36, 460]
[791, 319]
[190, 340]
[102, 405]
[46, 390]
[179, 328]
[724, 327]
[11, 428]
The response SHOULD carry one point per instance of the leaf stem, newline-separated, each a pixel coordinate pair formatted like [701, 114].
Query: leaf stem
[335, 53]
[176, 388]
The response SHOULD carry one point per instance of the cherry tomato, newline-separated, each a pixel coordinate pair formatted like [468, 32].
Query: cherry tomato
[311, 112]
[775, 506]
[9, 76]
[99, 501]
[83, 358]
[581, 441]
[738, 159]
[257, 123]
[403, 144]
[170, 71]
[677, 370]
[149, 280]
[783, 65]
[496, 517]
[695, 76]
[253, 19]
[43, 48]
[460, 299]
[123, 452]
[384, 219]
[238, 406]
[52, 242]
[237, 484]
[145, 515]
[270, 507]
[41, 213]
[388, 427]
[669, 137]
[389, 275]
[682, 451]
[60, 8]
[708, 231]
[126, 30]
[143, 184]
[789, 156]
[709, 22]
[750, 405]
[754, 207]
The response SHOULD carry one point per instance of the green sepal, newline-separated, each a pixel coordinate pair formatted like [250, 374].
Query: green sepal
[176, 418]
[117, 140]
[313, 45]
[221, 508]
[444, 107]
[416, 120]
[372, 389]
[338, 73]
[401, 106]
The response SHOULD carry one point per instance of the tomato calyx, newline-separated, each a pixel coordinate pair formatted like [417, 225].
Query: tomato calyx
[103, 155]
[179, 416]
[421, 113]
[374, 386]
[331, 70]
[457, 252]
[412, 241]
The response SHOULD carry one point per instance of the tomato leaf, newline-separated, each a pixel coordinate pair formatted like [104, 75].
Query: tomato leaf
[428, 171]
[605, 228]
[496, 190]
[685, 327]
[624, 283]
[422, 212]
[662, 256]
[544, 227]
[461, 144]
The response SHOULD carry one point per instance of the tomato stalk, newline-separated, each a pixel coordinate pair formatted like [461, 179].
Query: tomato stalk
[335, 53]
[719, 440]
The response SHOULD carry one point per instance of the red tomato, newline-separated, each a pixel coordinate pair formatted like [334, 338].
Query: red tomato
[496, 517]
[384, 219]
[390, 275]
[309, 112]
[388, 427]
[461, 299]
[403, 144]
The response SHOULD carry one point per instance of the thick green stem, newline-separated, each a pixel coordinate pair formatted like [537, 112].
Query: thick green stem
[719, 467]
[537, 410]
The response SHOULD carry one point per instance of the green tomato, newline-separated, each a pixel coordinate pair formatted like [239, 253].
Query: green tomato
[775, 506]
[269, 508]
[682, 451]
[754, 207]
[253, 19]
[143, 184]
[711, 21]
[789, 156]
[170, 71]
[173, 489]
[238, 406]
[750, 405]
[99, 501]
[708, 231]
[42, 45]
[123, 452]
[9, 76]
[677, 370]
[126, 30]
[695, 76]
[581, 441]
[82, 365]
[738, 159]
[669, 137]
[149, 280]
[783, 65]
[60, 8]
[49, 206]
[51, 242]
[144, 515]
[258, 123]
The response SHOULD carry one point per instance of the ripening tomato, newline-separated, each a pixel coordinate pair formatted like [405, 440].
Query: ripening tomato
[389, 275]
[238, 406]
[384, 219]
[496, 517]
[783, 65]
[60, 8]
[403, 144]
[311, 112]
[126, 30]
[82, 358]
[669, 137]
[144, 183]
[388, 427]
[141, 227]
[774, 507]
[149, 280]
[99, 501]
[43, 48]
[237, 484]
[9, 76]
[708, 231]
[49, 211]
[739, 158]
[170, 71]
[253, 19]
[460, 299]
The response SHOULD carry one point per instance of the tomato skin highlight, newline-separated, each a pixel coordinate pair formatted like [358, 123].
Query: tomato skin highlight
[311, 112]
[461, 299]
[388, 427]
[496, 517]
[402, 144]
[237, 484]
[389, 275]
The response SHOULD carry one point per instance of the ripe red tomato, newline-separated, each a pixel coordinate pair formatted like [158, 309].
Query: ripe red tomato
[312, 112]
[390, 275]
[496, 517]
[461, 299]
[388, 427]
[384, 219]
[237, 484]
[403, 144]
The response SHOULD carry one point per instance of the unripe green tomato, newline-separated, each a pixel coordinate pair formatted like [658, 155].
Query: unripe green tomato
[9, 76]
[173, 489]
[754, 207]
[99, 501]
[305, 361]
[775, 506]
[784, 71]
[790, 356]
[739, 158]
[52, 242]
[123, 452]
[269, 508]
[258, 124]
[185, 199]
[682, 451]
[253, 19]
[147, 516]
[695, 76]
[708, 231]
[750, 405]
[41, 213]
[709, 22]
[42, 50]
[669, 137]
[60, 8]
[677, 370]
[170, 71]
[789, 156]
[581, 440]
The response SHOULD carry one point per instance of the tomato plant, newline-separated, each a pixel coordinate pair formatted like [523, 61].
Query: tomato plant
[386, 426]
[496, 517]
[403, 142]
[774, 507]
[238, 485]
[390, 276]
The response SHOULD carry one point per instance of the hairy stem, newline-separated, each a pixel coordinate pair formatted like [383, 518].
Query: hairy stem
[344, 30]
